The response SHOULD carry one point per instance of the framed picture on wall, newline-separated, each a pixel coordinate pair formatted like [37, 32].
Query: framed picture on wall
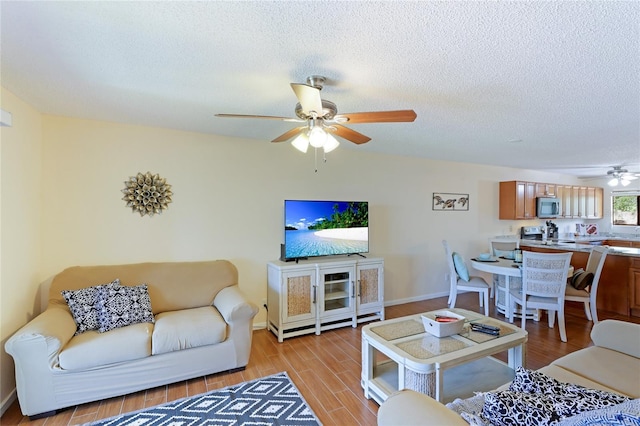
[447, 201]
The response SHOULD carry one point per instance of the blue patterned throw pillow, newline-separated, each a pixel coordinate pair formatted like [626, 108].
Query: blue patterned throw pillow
[122, 306]
[82, 304]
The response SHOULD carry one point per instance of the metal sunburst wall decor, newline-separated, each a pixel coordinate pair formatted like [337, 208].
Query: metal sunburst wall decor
[147, 194]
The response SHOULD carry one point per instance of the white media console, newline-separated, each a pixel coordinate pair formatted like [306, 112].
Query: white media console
[320, 294]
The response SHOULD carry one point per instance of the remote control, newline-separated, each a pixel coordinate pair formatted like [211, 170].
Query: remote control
[485, 331]
[484, 328]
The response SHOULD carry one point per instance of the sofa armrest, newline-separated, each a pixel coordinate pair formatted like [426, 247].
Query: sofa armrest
[35, 349]
[617, 335]
[233, 305]
[409, 408]
[48, 332]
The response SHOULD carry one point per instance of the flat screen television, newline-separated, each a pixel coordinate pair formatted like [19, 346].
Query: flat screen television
[324, 228]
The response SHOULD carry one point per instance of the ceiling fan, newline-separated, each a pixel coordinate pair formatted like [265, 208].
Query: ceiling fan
[617, 175]
[620, 175]
[321, 120]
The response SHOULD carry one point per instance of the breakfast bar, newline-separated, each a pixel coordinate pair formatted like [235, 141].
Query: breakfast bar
[619, 288]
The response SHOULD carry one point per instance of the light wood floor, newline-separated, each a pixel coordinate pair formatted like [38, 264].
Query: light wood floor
[325, 368]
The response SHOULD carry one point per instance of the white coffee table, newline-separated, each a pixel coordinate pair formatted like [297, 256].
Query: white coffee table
[399, 354]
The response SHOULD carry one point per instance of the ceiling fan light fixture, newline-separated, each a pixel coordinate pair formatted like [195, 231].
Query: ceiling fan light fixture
[613, 182]
[317, 137]
[301, 142]
[331, 143]
[625, 182]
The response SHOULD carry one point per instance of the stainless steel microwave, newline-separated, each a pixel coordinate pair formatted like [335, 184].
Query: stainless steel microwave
[548, 208]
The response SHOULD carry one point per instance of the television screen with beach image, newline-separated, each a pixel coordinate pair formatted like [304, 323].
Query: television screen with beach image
[324, 228]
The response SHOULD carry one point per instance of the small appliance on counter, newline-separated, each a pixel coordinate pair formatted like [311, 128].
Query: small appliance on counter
[552, 229]
[531, 233]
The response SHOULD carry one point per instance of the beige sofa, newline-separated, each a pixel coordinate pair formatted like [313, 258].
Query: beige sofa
[611, 364]
[202, 325]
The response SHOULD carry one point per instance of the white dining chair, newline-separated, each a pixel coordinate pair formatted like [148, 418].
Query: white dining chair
[588, 296]
[460, 280]
[501, 246]
[544, 280]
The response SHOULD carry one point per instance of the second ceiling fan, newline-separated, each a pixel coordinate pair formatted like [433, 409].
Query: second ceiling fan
[321, 119]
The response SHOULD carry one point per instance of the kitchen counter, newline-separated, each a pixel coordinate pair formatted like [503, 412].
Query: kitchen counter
[619, 288]
[597, 238]
[581, 246]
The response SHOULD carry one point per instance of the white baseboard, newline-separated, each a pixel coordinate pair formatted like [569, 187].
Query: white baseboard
[259, 325]
[8, 401]
[415, 299]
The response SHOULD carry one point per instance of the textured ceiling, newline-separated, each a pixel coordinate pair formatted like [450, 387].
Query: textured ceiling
[560, 78]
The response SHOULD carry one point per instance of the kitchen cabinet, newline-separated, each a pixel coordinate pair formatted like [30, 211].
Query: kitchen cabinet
[616, 288]
[634, 286]
[545, 190]
[517, 200]
[563, 193]
[580, 202]
[618, 243]
[594, 203]
[587, 202]
[311, 297]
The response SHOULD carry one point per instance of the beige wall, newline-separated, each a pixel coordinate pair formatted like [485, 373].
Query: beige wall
[228, 202]
[66, 175]
[20, 225]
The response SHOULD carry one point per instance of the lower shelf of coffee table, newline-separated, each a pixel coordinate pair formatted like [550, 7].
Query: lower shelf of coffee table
[462, 381]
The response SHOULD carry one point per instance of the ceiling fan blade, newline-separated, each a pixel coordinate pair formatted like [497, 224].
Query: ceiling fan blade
[350, 135]
[289, 134]
[309, 98]
[268, 117]
[404, 115]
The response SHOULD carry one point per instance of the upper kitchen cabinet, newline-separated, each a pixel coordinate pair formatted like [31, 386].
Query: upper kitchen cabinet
[546, 190]
[563, 193]
[595, 203]
[517, 200]
[579, 202]
[586, 202]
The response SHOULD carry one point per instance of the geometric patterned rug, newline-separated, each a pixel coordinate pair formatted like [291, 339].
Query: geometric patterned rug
[272, 400]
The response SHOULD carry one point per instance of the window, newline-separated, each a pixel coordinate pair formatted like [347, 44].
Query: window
[625, 209]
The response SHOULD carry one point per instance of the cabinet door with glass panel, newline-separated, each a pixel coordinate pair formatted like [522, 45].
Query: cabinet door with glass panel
[337, 292]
